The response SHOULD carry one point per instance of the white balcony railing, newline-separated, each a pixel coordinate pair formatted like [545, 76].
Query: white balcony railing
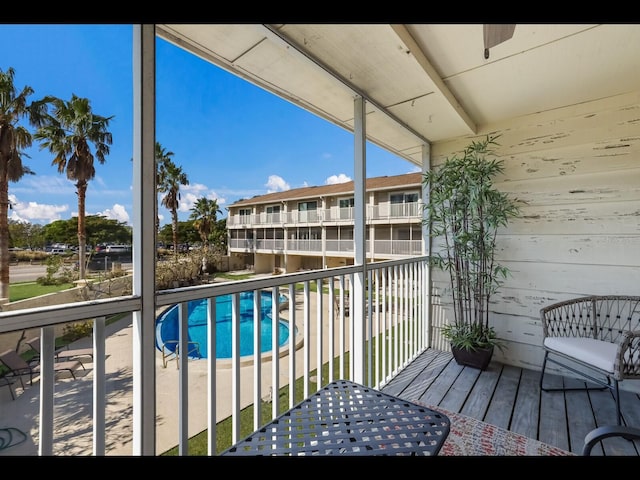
[345, 215]
[327, 330]
[381, 247]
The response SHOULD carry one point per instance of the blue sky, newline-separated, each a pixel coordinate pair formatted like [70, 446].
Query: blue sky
[232, 139]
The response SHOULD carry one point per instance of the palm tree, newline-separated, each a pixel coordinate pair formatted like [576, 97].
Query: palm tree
[204, 215]
[68, 134]
[13, 139]
[161, 157]
[170, 178]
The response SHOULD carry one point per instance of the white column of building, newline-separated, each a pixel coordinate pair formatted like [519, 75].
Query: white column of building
[285, 231]
[144, 239]
[323, 231]
[360, 251]
[372, 227]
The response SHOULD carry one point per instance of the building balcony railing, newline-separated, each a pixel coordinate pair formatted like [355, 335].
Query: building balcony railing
[411, 211]
[332, 247]
[324, 310]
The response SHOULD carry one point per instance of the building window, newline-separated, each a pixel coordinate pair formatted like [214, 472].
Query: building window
[346, 208]
[404, 204]
[346, 202]
[273, 213]
[395, 198]
[244, 215]
[307, 211]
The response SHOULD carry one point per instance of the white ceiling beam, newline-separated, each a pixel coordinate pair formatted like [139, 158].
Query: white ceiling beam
[424, 62]
[275, 35]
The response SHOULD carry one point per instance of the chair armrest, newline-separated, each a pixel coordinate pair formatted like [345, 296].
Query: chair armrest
[628, 356]
[598, 434]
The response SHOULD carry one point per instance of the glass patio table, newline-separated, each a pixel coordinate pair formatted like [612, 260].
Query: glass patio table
[345, 418]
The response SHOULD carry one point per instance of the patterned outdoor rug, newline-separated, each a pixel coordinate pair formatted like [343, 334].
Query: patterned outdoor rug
[471, 437]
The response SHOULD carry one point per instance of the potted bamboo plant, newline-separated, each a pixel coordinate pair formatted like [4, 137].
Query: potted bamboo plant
[465, 211]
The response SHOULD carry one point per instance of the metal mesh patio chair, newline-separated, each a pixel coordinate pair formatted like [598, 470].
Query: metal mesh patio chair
[18, 366]
[63, 354]
[594, 334]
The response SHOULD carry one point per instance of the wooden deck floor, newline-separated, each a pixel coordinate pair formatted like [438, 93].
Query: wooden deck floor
[510, 397]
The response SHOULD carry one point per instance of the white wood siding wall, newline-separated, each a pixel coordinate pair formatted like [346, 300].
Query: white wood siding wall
[578, 170]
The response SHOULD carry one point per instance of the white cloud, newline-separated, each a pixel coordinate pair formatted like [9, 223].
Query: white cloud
[189, 195]
[276, 184]
[117, 212]
[187, 200]
[34, 212]
[196, 189]
[334, 179]
[221, 201]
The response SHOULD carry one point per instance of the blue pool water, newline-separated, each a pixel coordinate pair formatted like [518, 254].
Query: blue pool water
[167, 325]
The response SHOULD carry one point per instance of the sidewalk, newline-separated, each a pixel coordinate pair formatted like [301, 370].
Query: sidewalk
[73, 410]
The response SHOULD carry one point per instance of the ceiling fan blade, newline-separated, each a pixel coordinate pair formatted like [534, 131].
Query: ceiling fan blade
[496, 33]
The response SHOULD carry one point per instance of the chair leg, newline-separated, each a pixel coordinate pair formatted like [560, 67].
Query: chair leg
[544, 365]
[607, 386]
[616, 395]
[9, 383]
[612, 386]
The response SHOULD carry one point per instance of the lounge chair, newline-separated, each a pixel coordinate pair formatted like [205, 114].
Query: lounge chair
[63, 354]
[5, 381]
[18, 366]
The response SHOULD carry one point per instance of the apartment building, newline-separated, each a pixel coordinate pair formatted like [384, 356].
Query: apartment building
[312, 227]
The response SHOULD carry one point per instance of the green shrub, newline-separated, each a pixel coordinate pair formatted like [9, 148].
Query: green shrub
[74, 331]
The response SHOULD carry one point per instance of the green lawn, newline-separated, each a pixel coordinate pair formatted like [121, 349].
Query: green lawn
[21, 291]
[198, 444]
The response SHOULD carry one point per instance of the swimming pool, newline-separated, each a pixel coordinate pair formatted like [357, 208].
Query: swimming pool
[167, 325]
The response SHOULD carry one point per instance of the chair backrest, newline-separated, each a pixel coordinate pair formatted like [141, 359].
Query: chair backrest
[13, 361]
[34, 343]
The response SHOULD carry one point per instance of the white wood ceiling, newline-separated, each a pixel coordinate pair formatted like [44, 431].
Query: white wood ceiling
[422, 82]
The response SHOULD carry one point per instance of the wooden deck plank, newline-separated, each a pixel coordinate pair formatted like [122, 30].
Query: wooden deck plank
[604, 409]
[499, 412]
[478, 400]
[580, 417]
[440, 387]
[409, 374]
[456, 396]
[561, 419]
[553, 415]
[526, 410]
[425, 378]
[630, 406]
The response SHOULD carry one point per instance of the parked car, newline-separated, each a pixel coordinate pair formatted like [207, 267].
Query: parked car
[118, 248]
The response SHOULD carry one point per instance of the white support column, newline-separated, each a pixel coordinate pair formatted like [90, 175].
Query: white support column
[426, 250]
[144, 239]
[426, 166]
[359, 234]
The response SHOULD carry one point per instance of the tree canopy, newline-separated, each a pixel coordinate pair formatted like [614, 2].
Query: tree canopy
[99, 230]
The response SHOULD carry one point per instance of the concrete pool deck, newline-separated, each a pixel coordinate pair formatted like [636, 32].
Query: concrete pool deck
[73, 398]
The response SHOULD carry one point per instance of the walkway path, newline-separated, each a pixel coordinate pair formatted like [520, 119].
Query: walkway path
[73, 409]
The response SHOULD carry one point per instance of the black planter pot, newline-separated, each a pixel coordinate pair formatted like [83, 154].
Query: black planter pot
[478, 358]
